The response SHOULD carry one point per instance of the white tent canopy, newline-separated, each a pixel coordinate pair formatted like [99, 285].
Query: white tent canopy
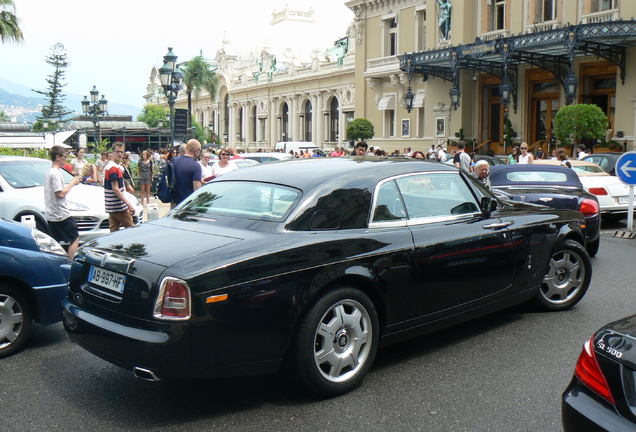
[35, 141]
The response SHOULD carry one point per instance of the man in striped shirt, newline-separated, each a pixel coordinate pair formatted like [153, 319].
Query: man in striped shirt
[119, 209]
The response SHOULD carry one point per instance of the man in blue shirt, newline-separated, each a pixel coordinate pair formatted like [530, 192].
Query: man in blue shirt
[187, 172]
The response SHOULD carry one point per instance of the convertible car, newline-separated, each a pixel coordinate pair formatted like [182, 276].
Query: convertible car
[311, 265]
[554, 186]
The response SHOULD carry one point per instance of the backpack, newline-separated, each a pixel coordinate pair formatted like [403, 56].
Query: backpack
[166, 184]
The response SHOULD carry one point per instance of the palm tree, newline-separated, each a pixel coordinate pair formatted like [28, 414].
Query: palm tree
[4, 117]
[9, 23]
[198, 77]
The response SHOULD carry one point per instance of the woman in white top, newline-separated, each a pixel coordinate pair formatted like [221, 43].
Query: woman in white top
[79, 162]
[224, 164]
[206, 168]
[525, 157]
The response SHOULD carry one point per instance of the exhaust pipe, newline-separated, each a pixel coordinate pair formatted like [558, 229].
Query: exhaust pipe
[145, 374]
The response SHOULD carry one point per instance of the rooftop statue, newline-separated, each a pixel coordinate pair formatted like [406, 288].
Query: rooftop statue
[444, 21]
[339, 50]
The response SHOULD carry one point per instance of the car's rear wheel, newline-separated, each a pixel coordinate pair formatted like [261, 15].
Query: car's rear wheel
[337, 342]
[16, 320]
[568, 277]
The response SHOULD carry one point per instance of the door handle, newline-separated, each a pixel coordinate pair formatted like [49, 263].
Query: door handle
[498, 225]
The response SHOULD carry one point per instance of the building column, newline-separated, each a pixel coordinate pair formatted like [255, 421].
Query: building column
[319, 121]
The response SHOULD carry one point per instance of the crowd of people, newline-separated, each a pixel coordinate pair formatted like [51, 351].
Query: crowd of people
[193, 167]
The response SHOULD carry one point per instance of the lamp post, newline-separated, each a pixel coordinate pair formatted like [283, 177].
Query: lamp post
[571, 84]
[225, 137]
[96, 108]
[171, 83]
[160, 127]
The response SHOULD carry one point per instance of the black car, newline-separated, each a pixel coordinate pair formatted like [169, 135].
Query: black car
[602, 393]
[492, 160]
[607, 161]
[554, 186]
[313, 264]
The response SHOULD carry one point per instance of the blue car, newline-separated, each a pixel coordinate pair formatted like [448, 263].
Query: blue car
[34, 271]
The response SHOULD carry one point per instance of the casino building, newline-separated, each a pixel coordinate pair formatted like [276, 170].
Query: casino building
[429, 71]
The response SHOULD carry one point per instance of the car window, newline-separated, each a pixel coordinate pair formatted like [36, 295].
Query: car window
[27, 173]
[536, 177]
[598, 160]
[388, 205]
[251, 200]
[435, 195]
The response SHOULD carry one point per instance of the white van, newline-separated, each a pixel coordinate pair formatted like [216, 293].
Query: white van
[297, 146]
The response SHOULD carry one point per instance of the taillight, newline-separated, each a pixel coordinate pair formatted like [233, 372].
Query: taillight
[589, 207]
[588, 371]
[173, 301]
[597, 191]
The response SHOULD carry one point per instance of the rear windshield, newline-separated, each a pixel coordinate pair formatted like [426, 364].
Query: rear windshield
[244, 199]
[536, 177]
[27, 173]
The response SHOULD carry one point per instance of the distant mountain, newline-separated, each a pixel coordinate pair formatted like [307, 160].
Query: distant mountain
[23, 104]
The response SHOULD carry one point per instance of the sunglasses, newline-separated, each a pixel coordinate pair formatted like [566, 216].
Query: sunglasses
[524, 148]
[225, 154]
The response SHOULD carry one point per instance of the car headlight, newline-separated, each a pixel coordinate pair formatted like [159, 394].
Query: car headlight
[74, 206]
[47, 244]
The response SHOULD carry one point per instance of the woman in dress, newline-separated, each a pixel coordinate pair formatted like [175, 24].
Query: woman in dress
[525, 157]
[146, 170]
[127, 172]
[224, 164]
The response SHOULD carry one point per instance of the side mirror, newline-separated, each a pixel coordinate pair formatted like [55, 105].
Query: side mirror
[488, 205]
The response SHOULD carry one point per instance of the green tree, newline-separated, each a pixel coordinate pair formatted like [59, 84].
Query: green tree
[4, 117]
[361, 129]
[151, 114]
[55, 109]
[198, 77]
[9, 23]
[575, 122]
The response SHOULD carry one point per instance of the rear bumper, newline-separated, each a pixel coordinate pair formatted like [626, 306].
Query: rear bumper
[583, 410]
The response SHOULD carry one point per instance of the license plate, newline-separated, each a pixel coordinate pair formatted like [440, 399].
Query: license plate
[623, 200]
[107, 279]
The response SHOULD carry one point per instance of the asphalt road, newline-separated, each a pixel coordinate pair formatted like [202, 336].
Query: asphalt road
[505, 372]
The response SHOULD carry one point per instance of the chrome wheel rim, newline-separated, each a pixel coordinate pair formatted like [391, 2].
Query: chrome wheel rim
[343, 341]
[11, 320]
[564, 279]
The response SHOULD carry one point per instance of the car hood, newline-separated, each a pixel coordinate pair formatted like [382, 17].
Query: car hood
[553, 197]
[157, 243]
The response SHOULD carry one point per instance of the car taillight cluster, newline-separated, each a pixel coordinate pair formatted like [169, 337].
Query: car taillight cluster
[173, 301]
[589, 372]
[598, 191]
[589, 207]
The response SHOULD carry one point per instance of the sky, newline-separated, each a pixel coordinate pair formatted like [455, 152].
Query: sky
[114, 44]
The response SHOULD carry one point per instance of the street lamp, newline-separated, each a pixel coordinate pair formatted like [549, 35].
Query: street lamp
[571, 84]
[160, 127]
[171, 83]
[225, 137]
[505, 91]
[96, 108]
[455, 93]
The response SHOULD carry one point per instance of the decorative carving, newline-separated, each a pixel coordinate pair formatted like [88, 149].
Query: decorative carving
[375, 84]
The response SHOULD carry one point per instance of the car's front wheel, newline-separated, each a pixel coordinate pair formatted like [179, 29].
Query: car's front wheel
[568, 277]
[16, 320]
[337, 341]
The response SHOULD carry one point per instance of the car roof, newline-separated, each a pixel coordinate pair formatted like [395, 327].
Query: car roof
[498, 174]
[358, 172]
[270, 154]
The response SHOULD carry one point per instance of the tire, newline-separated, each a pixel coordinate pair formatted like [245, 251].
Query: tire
[337, 342]
[568, 277]
[16, 320]
[592, 247]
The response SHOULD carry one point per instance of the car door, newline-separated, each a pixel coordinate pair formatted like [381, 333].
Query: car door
[463, 257]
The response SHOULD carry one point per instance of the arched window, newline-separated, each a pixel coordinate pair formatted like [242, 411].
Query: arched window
[285, 123]
[308, 121]
[334, 115]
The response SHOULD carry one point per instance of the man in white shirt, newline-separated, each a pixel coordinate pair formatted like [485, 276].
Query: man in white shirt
[62, 226]
[582, 153]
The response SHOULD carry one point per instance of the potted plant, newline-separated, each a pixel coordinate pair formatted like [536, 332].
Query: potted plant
[575, 122]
